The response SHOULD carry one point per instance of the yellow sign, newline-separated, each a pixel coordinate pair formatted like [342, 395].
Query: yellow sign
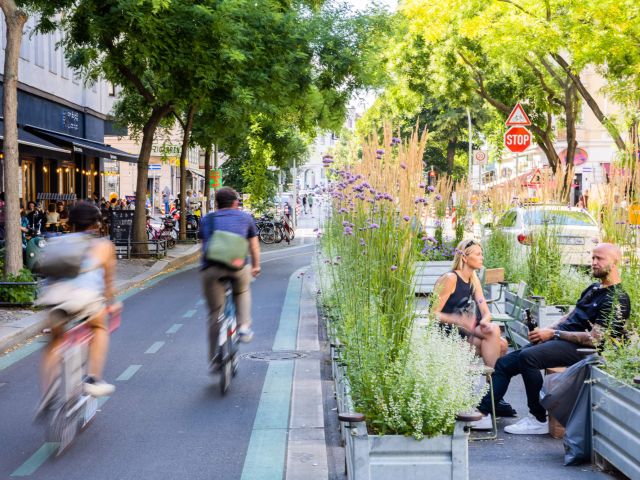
[634, 214]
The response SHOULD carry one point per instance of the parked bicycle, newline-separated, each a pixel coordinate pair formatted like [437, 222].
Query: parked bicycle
[266, 230]
[167, 232]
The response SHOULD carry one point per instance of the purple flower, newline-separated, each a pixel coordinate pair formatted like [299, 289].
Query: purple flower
[363, 243]
[393, 268]
[403, 166]
[348, 231]
[431, 188]
[395, 141]
[373, 226]
[438, 197]
[406, 218]
[380, 152]
[421, 185]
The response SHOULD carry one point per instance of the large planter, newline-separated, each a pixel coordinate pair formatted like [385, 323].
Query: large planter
[615, 420]
[393, 457]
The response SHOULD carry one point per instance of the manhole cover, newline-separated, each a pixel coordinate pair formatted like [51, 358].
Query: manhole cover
[272, 356]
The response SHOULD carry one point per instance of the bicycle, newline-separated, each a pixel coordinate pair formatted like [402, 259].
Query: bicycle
[267, 231]
[228, 342]
[167, 232]
[65, 407]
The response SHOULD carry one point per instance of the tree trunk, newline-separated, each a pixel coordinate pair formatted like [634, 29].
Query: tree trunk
[591, 102]
[183, 171]
[451, 154]
[15, 20]
[570, 113]
[207, 174]
[140, 215]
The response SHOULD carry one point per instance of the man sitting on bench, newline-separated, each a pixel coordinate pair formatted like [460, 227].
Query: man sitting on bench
[602, 309]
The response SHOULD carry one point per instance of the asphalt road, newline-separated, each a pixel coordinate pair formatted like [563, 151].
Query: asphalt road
[169, 420]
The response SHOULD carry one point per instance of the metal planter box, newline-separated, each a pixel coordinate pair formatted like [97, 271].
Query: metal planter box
[615, 420]
[393, 457]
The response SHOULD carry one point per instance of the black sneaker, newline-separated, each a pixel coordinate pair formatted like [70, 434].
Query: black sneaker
[503, 409]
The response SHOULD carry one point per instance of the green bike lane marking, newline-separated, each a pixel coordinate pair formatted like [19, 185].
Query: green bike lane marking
[23, 352]
[36, 460]
[266, 454]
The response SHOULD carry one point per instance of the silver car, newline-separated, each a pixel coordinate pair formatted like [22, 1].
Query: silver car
[576, 230]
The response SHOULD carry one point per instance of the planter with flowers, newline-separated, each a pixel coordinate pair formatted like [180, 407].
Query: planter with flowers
[409, 382]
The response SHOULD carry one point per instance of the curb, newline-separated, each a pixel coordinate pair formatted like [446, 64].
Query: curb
[31, 325]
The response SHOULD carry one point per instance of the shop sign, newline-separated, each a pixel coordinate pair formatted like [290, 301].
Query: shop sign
[215, 179]
[70, 120]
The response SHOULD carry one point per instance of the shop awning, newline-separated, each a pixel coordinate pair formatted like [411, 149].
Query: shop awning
[30, 143]
[82, 145]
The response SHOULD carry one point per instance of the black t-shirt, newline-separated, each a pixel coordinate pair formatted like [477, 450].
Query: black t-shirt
[595, 307]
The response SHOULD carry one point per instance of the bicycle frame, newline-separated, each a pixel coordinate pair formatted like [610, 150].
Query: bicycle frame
[73, 408]
[228, 341]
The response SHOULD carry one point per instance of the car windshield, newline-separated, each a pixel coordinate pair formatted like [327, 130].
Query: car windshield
[558, 217]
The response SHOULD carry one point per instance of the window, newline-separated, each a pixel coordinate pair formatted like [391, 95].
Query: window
[39, 50]
[509, 219]
[25, 44]
[64, 68]
[111, 89]
[558, 217]
[53, 52]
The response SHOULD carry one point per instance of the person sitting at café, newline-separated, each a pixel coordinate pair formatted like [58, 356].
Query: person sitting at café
[53, 218]
[602, 310]
[36, 216]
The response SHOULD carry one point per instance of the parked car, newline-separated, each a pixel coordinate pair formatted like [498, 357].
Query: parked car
[576, 230]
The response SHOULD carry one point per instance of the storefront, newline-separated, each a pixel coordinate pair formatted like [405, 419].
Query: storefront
[61, 151]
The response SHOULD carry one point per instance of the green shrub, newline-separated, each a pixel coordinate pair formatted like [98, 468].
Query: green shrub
[18, 294]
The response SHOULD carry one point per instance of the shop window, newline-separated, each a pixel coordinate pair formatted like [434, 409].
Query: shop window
[28, 179]
[66, 177]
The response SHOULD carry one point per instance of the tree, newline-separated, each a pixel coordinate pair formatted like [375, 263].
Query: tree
[16, 14]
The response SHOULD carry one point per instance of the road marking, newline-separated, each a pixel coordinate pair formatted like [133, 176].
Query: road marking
[189, 314]
[266, 455]
[36, 460]
[20, 353]
[174, 328]
[286, 249]
[128, 373]
[155, 347]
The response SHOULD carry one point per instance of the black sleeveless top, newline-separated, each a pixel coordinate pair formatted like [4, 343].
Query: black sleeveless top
[461, 300]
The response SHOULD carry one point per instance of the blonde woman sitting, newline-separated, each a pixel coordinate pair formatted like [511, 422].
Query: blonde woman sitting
[459, 302]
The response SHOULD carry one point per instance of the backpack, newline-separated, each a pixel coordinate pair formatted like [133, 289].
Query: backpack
[227, 248]
[62, 257]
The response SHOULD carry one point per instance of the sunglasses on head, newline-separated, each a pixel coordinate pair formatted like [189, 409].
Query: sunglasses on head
[470, 244]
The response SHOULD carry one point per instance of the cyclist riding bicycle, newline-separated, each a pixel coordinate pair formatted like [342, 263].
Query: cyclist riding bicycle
[228, 218]
[86, 294]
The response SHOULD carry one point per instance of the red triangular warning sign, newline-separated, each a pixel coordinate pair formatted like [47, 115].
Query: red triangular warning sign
[518, 117]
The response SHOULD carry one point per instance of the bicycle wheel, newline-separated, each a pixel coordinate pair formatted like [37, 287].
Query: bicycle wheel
[267, 234]
[171, 242]
[226, 371]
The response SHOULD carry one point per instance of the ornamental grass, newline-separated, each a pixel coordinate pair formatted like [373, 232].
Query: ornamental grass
[406, 380]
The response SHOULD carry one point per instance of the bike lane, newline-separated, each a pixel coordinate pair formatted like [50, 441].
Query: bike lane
[167, 418]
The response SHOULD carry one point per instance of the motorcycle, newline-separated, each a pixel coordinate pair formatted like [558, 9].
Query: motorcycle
[193, 222]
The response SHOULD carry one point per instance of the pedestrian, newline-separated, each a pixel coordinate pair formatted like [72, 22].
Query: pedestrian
[602, 309]
[165, 200]
[310, 202]
[304, 203]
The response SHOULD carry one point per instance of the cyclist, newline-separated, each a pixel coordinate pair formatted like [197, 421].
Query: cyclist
[90, 295]
[228, 217]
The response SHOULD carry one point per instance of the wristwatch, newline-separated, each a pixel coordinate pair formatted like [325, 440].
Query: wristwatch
[556, 334]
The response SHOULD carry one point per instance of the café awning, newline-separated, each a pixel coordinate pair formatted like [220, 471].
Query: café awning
[82, 145]
[32, 144]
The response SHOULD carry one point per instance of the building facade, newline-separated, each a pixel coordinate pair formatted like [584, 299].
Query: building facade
[61, 124]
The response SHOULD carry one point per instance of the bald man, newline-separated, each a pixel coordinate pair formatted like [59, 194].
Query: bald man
[603, 308]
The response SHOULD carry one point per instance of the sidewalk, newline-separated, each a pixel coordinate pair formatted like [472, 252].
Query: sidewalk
[19, 325]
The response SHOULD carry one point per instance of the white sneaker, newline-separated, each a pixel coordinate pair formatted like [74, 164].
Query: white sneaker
[97, 388]
[245, 334]
[528, 426]
[485, 423]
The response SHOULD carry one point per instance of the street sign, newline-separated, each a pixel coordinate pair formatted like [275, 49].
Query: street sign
[517, 139]
[534, 178]
[480, 157]
[215, 179]
[155, 166]
[518, 117]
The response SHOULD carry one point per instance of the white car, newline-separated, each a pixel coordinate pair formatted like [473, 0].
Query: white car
[576, 230]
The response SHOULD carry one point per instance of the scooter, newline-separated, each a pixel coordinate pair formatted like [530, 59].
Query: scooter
[35, 243]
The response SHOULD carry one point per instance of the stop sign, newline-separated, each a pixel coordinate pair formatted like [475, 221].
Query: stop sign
[517, 139]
